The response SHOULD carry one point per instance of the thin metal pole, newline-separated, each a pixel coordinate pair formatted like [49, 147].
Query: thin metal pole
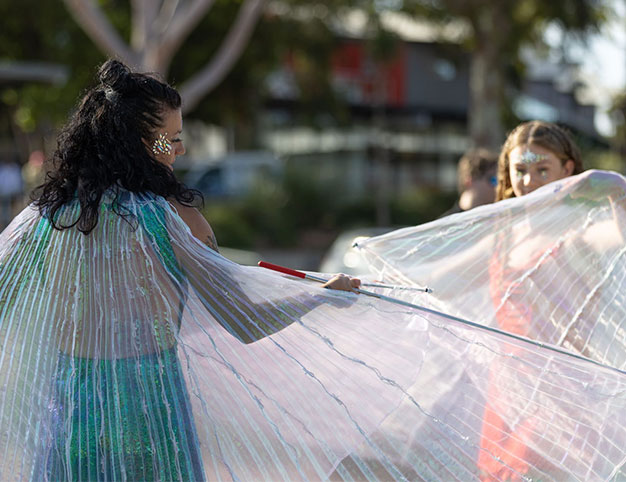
[302, 275]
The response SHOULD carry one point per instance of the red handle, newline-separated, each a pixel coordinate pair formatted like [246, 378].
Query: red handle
[282, 269]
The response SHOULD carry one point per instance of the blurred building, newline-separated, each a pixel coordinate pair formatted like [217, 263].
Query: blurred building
[409, 115]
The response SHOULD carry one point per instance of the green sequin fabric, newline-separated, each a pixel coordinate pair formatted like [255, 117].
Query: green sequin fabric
[126, 419]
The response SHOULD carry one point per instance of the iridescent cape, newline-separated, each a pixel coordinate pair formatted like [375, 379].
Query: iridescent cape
[549, 266]
[137, 353]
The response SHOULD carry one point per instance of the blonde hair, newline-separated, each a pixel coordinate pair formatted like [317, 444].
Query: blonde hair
[543, 134]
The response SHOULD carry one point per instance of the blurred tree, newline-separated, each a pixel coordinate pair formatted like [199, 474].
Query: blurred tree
[159, 29]
[295, 34]
[494, 33]
[40, 31]
[296, 30]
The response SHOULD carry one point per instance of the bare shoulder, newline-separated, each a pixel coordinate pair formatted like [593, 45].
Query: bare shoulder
[197, 223]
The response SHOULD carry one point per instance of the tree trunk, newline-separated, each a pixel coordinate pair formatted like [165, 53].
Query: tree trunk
[159, 28]
[487, 78]
[194, 89]
[485, 107]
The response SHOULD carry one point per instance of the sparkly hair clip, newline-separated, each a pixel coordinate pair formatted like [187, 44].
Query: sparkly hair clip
[530, 157]
[161, 145]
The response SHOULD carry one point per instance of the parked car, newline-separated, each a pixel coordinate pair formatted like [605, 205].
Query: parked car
[341, 257]
[234, 174]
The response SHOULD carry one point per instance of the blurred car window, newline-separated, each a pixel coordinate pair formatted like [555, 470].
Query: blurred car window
[234, 174]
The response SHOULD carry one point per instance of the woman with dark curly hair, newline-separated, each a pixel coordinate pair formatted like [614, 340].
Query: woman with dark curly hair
[132, 351]
[124, 134]
[102, 281]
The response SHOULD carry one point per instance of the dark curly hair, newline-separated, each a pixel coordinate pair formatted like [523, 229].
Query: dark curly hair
[102, 146]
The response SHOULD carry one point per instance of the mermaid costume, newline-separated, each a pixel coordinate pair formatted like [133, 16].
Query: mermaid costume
[127, 418]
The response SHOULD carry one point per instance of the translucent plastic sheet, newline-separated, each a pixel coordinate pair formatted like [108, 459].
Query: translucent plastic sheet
[549, 266]
[137, 353]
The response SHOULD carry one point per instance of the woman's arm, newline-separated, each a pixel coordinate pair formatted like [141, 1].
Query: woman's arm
[245, 319]
[199, 226]
[201, 229]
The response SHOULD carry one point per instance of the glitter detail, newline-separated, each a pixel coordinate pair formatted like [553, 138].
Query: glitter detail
[161, 446]
[161, 145]
[88, 394]
[530, 157]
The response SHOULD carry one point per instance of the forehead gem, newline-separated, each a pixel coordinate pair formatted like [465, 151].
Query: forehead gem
[161, 145]
[530, 157]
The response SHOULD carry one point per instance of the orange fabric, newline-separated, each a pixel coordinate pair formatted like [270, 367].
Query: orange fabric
[504, 453]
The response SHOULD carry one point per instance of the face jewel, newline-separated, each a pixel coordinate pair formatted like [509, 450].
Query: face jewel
[530, 157]
[161, 145]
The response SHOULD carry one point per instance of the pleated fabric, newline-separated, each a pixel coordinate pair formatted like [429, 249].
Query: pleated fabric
[137, 353]
[548, 266]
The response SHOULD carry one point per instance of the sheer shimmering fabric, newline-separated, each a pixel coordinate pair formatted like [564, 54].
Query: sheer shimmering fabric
[137, 353]
[549, 266]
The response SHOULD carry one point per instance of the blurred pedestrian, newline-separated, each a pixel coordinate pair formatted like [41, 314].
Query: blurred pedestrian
[476, 180]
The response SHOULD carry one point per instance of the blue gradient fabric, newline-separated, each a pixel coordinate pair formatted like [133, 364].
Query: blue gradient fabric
[138, 353]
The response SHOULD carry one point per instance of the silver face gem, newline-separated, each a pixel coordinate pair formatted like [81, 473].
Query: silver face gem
[530, 157]
[161, 145]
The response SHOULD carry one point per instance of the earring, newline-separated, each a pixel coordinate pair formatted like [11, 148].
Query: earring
[161, 145]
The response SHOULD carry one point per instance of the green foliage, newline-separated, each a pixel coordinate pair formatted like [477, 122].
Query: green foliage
[356, 213]
[273, 214]
[279, 214]
[618, 112]
[307, 202]
[44, 31]
[420, 206]
[528, 17]
[231, 227]
[303, 39]
[605, 160]
[264, 210]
